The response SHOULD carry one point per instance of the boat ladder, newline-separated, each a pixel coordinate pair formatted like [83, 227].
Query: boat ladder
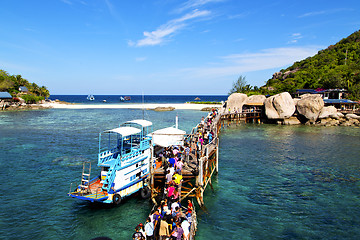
[85, 177]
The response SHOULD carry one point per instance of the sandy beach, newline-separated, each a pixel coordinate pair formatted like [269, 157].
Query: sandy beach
[187, 106]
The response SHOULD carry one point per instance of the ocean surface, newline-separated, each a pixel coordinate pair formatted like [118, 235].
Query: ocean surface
[274, 182]
[111, 99]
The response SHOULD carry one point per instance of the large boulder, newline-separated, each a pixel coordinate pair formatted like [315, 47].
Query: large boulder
[352, 116]
[291, 121]
[235, 102]
[310, 106]
[256, 99]
[279, 106]
[327, 112]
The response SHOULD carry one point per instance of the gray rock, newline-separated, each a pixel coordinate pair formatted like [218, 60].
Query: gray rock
[279, 106]
[235, 102]
[291, 121]
[352, 116]
[163, 109]
[340, 115]
[327, 112]
[256, 99]
[310, 106]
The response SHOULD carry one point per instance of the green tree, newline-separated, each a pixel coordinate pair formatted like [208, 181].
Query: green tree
[240, 86]
[44, 92]
[338, 66]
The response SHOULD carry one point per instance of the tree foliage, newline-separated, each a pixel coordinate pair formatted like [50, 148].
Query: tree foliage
[11, 83]
[240, 86]
[338, 66]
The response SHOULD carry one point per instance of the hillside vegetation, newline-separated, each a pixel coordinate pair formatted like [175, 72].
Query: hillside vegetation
[338, 66]
[11, 83]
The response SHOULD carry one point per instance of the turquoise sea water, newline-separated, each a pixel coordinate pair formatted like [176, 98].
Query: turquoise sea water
[275, 182]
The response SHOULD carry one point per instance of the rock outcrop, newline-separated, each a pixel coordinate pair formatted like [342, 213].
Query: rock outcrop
[163, 109]
[310, 106]
[291, 121]
[279, 106]
[352, 116]
[236, 101]
[256, 99]
[328, 112]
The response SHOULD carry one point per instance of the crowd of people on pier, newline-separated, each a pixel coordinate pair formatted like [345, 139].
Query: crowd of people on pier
[204, 134]
[171, 220]
[166, 222]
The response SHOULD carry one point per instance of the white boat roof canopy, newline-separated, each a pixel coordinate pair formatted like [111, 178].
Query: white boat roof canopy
[143, 123]
[124, 131]
[168, 136]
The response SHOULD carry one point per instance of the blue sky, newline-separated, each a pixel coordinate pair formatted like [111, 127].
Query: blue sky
[164, 46]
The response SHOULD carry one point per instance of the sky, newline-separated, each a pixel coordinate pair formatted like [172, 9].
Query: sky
[167, 47]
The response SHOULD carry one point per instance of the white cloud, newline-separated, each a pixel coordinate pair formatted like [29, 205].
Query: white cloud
[195, 4]
[165, 31]
[236, 64]
[329, 11]
[310, 14]
[295, 37]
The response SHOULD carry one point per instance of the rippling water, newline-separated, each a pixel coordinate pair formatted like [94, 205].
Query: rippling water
[275, 182]
[285, 182]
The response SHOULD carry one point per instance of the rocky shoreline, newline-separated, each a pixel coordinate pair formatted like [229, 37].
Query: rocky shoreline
[282, 109]
[22, 106]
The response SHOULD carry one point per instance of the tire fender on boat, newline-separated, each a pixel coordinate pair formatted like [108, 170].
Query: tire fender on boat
[145, 192]
[116, 199]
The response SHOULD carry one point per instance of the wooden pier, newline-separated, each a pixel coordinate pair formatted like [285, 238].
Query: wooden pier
[202, 161]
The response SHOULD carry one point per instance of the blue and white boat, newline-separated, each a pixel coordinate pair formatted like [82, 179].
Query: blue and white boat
[124, 158]
[90, 97]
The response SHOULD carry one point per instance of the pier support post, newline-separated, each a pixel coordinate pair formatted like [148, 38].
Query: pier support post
[200, 181]
[217, 155]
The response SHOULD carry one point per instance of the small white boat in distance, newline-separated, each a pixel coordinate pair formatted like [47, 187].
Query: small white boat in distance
[90, 97]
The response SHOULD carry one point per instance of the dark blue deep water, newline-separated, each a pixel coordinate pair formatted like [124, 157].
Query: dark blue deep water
[275, 182]
[139, 98]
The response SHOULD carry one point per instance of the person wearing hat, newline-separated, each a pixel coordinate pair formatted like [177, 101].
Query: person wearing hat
[140, 226]
[137, 235]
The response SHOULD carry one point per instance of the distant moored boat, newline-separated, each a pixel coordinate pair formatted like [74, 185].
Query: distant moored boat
[90, 97]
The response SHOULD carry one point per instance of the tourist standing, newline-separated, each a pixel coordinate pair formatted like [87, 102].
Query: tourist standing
[187, 153]
[185, 225]
[210, 137]
[149, 229]
[164, 230]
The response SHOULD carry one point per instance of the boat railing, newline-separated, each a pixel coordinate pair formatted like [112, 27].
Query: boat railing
[144, 145]
[107, 155]
[130, 155]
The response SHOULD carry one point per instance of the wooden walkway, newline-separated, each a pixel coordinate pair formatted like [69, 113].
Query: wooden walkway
[202, 162]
